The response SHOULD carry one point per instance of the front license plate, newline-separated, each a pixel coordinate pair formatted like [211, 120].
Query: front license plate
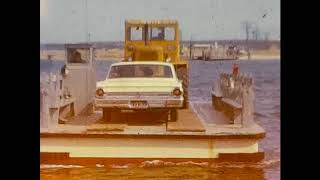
[139, 104]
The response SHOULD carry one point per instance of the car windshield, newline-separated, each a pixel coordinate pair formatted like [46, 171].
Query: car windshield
[140, 71]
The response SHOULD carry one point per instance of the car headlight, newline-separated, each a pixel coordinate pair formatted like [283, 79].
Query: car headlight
[176, 92]
[99, 92]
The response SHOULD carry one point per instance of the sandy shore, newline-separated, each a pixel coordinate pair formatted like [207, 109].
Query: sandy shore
[270, 54]
[100, 54]
[261, 57]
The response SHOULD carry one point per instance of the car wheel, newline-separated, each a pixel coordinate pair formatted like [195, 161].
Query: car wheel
[173, 115]
[216, 103]
[106, 114]
[182, 73]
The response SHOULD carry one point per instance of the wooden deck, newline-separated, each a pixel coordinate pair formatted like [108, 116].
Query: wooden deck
[187, 122]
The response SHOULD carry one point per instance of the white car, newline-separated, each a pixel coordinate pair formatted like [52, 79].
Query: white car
[142, 85]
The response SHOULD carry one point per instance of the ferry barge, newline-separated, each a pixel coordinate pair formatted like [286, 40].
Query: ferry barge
[72, 130]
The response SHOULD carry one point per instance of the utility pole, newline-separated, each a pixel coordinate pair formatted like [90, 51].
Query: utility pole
[266, 36]
[86, 22]
[190, 47]
[256, 32]
[247, 27]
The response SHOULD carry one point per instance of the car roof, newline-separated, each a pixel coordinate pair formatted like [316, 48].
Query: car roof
[142, 62]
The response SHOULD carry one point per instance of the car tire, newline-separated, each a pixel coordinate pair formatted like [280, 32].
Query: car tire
[182, 73]
[216, 103]
[106, 114]
[173, 115]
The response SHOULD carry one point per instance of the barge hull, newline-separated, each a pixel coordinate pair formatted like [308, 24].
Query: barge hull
[65, 159]
[68, 150]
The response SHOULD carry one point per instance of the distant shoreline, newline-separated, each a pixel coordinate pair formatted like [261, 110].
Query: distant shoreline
[117, 54]
[114, 59]
[261, 57]
[253, 58]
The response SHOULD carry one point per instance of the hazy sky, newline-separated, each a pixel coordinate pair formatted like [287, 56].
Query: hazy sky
[64, 21]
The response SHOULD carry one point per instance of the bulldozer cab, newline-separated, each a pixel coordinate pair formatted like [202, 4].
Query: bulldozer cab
[157, 40]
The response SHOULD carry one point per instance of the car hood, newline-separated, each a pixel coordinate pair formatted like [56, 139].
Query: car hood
[139, 85]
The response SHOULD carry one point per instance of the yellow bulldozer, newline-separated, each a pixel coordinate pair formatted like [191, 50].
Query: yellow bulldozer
[156, 40]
